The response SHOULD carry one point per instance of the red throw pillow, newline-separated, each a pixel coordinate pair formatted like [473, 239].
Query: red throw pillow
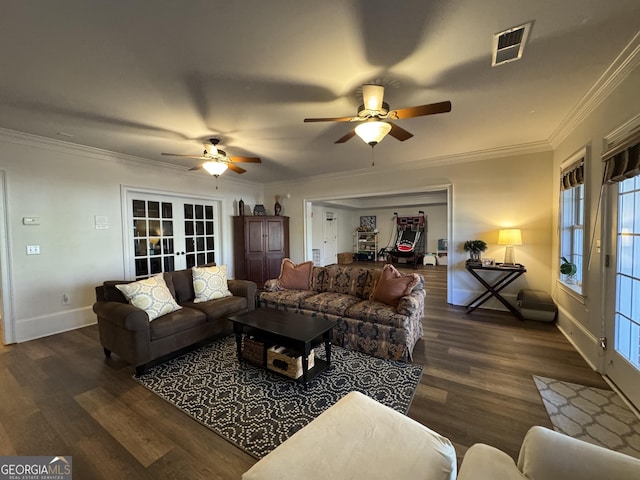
[297, 277]
[392, 286]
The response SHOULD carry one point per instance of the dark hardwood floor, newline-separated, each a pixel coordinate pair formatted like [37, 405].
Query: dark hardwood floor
[60, 396]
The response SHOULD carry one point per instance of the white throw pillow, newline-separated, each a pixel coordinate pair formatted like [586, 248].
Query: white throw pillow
[210, 283]
[151, 295]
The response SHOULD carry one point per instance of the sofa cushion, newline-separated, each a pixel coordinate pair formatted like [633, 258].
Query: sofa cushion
[356, 281]
[317, 277]
[376, 312]
[294, 276]
[329, 302]
[210, 283]
[287, 298]
[112, 294]
[359, 438]
[151, 295]
[220, 307]
[174, 322]
[183, 285]
[393, 285]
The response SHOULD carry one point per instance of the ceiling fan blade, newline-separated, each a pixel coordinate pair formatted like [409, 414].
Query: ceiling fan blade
[430, 109]
[199, 167]
[199, 157]
[245, 159]
[235, 168]
[346, 137]
[372, 96]
[336, 119]
[399, 133]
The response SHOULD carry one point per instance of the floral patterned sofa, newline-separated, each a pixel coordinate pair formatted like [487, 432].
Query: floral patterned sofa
[367, 321]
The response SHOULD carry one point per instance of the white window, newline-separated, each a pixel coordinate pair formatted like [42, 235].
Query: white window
[572, 219]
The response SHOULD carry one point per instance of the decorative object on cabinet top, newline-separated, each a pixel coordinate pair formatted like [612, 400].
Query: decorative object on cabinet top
[368, 222]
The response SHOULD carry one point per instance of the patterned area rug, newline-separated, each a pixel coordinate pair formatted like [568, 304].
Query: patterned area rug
[591, 414]
[257, 409]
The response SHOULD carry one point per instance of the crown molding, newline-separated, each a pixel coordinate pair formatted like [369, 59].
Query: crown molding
[45, 143]
[620, 133]
[52, 144]
[625, 63]
[445, 160]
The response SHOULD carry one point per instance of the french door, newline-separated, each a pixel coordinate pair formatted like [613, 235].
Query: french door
[166, 233]
[622, 315]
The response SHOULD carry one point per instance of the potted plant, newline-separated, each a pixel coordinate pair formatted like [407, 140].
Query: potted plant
[475, 248]
[569, 269]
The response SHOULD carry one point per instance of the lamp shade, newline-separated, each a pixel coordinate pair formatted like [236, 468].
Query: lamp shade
[510, 236]
[372, 132]
[215, 168]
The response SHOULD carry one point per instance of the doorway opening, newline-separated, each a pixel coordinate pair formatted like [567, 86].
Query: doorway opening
[348, 209]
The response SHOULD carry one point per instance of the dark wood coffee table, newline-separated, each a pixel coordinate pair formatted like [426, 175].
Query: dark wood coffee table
[287, 329]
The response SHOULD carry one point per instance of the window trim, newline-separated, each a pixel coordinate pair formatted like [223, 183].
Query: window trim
[571, 162]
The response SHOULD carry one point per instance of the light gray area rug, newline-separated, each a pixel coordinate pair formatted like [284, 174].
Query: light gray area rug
[591, 414]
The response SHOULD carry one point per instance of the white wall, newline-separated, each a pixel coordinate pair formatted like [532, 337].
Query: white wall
[581, 318]
[66, 186]
[510, 191]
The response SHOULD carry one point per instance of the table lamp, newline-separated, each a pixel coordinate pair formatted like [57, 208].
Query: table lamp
[510, 237]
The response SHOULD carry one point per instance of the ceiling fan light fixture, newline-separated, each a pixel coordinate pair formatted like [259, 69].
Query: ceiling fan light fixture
[372, 133]
[215, 168]
[372, 96]
[210, 149]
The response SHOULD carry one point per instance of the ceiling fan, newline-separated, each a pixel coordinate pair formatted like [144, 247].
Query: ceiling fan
[217, 161]
[374, 116]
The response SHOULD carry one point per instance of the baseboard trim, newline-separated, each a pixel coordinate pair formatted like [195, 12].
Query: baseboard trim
[582, 339]
[45, 325]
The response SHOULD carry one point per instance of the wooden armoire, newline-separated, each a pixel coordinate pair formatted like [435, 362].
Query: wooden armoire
[259, 245]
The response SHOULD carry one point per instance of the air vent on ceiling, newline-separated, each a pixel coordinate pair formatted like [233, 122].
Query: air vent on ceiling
[509, 45]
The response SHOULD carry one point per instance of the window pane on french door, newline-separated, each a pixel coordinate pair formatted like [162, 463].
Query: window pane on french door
[627, 311]
[199, 234]
[153, 242]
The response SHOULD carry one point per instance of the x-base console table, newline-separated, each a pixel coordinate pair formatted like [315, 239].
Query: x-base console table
[508, 273]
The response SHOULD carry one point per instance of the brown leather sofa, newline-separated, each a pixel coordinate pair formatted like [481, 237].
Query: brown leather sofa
[126, 331]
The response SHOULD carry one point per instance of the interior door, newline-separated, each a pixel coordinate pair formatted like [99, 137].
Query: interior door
[166, 233]
[622, 314]
[329, 238]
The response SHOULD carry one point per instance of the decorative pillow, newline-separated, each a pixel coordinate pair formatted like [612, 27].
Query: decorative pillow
[151, 295]
[294, 276]
[210, 283]
[393, 285]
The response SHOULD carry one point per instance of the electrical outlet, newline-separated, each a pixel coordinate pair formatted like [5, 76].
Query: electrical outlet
[33, 249]
[65, 299]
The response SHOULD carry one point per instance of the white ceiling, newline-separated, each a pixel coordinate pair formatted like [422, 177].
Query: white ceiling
[141, 77]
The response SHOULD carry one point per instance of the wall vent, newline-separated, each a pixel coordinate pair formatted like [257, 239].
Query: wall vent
[509, 45]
